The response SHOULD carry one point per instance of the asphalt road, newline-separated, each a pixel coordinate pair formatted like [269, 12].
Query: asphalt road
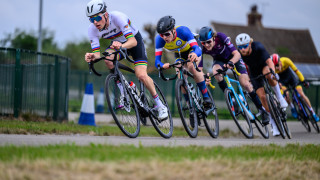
[300, 135]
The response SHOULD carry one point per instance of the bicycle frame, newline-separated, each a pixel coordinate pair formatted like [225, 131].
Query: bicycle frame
[297, 98]
[235, 81]
[123, 80]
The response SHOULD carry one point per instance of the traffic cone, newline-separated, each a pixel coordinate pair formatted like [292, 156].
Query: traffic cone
[100, 102]
[87, 107]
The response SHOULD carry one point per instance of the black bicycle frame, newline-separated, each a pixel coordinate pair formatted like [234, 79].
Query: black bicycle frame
[123, 80]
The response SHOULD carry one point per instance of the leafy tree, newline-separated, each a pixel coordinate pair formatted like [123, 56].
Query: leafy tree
[28, 40]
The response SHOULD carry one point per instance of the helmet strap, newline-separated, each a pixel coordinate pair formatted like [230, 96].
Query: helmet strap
[106, 21]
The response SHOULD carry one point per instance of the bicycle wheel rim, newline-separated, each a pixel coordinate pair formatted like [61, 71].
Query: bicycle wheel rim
[164, 127]
[186, 110]
[263, 129]
[127, 118]
[302, 117]
[311, 119]
[211, 121]
[275, 115]
[240, 118]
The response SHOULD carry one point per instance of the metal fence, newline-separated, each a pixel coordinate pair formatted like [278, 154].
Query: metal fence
[33, 83]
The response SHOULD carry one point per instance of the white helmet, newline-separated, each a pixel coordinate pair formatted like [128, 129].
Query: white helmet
[95, 7]
[242, 39]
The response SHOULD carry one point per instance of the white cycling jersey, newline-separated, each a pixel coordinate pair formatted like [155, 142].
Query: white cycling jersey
[119, 29]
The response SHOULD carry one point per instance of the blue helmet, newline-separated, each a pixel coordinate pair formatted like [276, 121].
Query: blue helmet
[206, 33]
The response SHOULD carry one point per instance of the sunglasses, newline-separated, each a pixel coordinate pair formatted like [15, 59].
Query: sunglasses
[165, 34]
[96, 18]
[243, 46]
[206, 42]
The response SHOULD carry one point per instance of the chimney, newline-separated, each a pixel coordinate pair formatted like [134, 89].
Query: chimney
[254, 18]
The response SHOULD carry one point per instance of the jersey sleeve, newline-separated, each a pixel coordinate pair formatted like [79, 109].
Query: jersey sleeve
[94, 38]
[294, 68]
[158, 51]
[226, 41]
[124, 24]
[186, 35]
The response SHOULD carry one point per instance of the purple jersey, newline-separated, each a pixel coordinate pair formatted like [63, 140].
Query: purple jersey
[223, 48]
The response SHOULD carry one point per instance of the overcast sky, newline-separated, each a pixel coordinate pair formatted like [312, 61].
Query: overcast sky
[67, 18]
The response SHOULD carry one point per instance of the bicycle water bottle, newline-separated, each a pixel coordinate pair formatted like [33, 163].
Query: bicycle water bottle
[192, 88]
[134, 87]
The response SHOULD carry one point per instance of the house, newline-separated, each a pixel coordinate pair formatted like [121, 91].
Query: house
[297, 44]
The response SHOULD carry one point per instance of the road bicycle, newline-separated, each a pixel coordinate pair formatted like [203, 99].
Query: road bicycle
[277, 113]
[190, 103]
[241, 107]
[132, 105]
[303, 110]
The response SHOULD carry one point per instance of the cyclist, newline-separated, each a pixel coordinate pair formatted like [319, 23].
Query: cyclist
[285, 67]
[177, 39]
[118, 27]
[219, 46]
[259, 62]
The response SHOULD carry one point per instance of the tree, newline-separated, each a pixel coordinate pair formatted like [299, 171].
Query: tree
[28, 40]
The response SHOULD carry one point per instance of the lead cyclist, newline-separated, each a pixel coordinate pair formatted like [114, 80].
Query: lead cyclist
[118, 27]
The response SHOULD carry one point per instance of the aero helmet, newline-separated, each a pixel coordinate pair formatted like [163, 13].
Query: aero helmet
[95, 7]
[205, 33]
[165, 24]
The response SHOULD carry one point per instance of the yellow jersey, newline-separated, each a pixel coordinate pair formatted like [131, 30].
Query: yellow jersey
[286, 63]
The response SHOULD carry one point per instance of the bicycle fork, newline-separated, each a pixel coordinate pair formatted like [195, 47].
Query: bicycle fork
[240, 102]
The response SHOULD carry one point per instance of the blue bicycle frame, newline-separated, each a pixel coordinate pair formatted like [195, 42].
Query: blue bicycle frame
[229, 81]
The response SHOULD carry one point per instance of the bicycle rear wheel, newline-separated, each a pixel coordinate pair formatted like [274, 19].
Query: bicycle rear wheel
[240, 118]
[275, 113]
[211, 121]
[310, 117]
[302, 117]
[186, 109]
[263, 129]
[163, 127]
[124, 111]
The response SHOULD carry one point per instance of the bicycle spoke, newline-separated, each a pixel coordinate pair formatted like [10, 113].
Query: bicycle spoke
[123, 109]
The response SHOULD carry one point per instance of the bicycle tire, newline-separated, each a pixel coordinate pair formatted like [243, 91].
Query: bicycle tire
[244, 123]
[185, 110]
[126, 118]
[212, 121]
[311, 119]
[165, 127]
[263, 129]
[275, 114]
[301, 116]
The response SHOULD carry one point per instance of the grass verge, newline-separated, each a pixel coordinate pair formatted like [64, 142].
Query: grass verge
[14, 126]
[129, 162]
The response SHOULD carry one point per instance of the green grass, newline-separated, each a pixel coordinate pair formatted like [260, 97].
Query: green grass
[14, 126]
[70, 152]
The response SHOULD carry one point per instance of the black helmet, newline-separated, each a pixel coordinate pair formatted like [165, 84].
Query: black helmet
[165, 24]
[205, 33]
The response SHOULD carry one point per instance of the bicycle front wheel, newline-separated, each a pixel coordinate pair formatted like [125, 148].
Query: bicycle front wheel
[123, 109]
[263, 129]
[186, 109]
[275, 113]
[311, 119]
[240, 118]
[163, 127]
[302, 115]
[211, 121]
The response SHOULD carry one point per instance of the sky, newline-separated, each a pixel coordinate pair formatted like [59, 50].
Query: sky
[68, 20]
